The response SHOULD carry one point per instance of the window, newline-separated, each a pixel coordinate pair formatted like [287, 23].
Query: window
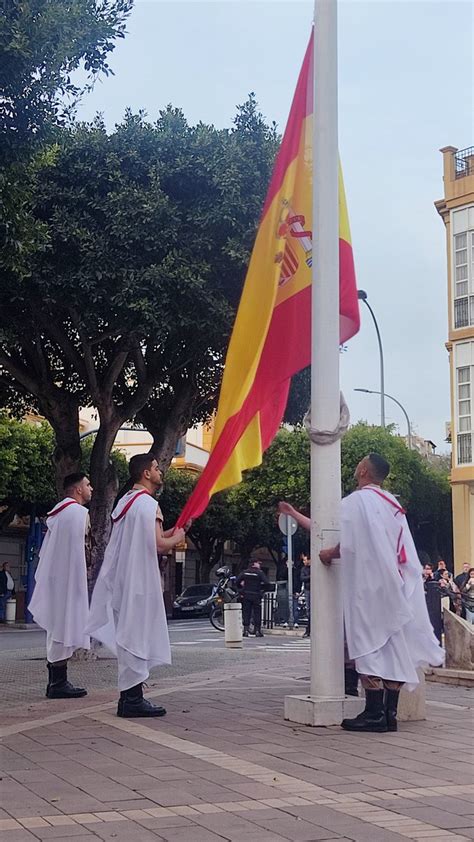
[464, 279]
[464, 436]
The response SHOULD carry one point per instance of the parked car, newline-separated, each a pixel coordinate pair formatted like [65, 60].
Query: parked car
[193, 602]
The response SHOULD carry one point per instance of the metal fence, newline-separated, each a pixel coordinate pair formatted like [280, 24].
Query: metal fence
[268, 610]
[464, 162]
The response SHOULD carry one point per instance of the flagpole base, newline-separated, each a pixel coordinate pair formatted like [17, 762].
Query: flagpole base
[318, 712]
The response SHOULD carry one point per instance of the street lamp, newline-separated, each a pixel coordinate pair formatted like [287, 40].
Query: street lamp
[373, 392]
[362, 296]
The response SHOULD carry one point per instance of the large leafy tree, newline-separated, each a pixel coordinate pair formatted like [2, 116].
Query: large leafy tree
[131, 300]
[42, 44]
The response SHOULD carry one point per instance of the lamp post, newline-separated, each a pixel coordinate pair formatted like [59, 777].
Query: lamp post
[362, 296]
[373, 392]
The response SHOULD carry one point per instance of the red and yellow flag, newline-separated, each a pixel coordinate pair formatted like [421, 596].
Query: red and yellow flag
[271, 340]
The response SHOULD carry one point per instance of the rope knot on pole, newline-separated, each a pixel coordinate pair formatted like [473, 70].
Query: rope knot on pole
[329, 436]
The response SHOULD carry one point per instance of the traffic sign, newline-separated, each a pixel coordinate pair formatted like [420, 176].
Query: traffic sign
[287, 525]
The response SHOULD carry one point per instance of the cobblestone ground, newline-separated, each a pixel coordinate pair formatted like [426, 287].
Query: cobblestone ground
[223, 764]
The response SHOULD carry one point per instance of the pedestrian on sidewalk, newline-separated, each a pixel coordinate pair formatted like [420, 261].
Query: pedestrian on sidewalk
[7, 588]
[305, 576]
[60, 602]
[252, 583]
[468, 595]
[127, 609]
[388, 630]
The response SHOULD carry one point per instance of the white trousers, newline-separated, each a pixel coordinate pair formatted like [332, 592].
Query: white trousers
[131, 670]
[56, 651]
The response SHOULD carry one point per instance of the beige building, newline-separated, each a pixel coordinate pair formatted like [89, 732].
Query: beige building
[192, 452]
[457, 212]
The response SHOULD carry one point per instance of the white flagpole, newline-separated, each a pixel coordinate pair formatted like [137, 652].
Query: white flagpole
[326, 704]
[326, 608]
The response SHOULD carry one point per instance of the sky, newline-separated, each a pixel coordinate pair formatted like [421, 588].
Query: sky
[405, 90]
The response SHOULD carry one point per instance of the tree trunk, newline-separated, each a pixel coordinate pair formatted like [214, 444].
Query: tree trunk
[104, 482]
[64, 419]
[169, 425]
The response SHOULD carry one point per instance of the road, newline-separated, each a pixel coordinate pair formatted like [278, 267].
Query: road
[196, 633]
[196, 648]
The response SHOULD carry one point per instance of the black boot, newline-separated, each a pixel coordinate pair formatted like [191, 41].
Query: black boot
[58, 685]
[258, 632]
[391, 707]
[373, 718]
[351, 681]
[132, 704]
[246, 631]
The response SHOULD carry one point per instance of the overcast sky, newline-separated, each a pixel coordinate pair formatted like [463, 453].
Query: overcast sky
[405, 90]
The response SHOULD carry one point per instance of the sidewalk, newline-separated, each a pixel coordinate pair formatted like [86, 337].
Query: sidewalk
[223, 765]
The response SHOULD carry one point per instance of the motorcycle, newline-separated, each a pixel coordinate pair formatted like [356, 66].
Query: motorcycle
[224, 591]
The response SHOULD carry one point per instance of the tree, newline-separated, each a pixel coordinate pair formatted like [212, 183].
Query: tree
[27, 476]
[42, 44]
[210, 532]
[148, 233]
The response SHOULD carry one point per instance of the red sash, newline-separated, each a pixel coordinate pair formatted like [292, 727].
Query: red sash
[401, 552]
[127, 506]
[61, 508]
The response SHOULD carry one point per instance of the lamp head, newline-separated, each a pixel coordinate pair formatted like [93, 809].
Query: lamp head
[362, 295]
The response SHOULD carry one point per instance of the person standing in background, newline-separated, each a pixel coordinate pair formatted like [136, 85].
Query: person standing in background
[7, 588]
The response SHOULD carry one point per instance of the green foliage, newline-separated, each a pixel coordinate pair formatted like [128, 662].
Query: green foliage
[42, 43]
[117, 458]
[26, 474]
[147, 234]
[26, 465]
[211, 530]
[362, 439]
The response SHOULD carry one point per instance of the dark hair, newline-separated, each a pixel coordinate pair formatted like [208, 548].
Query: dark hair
[380, 466]
[139, 463]
[73, 479]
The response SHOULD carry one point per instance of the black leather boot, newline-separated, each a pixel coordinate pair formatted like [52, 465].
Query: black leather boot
[258, 632]
[58, 685]
[373, 718]
[132, 704]
[351, 681]
[391, 707]
[246, 631]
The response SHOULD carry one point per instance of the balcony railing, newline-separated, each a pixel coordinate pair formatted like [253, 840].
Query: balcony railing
[464, 162]
[464, 448]
[461, 312]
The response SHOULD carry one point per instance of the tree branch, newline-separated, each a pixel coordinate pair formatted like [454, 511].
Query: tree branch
[113, 372]
[52, 329]
[20, 373]
[88, 357]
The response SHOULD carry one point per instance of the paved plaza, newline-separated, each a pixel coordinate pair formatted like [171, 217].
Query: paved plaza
[223, 764]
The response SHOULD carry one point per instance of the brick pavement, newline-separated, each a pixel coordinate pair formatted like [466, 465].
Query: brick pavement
[223, 765]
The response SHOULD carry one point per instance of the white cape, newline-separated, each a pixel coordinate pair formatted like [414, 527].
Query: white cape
[60, 601]
[388, 630]
[127, 610]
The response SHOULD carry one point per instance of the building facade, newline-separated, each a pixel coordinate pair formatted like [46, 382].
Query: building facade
[457, 211]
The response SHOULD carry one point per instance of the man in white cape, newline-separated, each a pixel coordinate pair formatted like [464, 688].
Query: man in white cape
[388, 630]
[60, 603]
[127, 609]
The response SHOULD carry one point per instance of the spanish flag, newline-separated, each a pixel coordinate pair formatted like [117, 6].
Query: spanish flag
[271, 340]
